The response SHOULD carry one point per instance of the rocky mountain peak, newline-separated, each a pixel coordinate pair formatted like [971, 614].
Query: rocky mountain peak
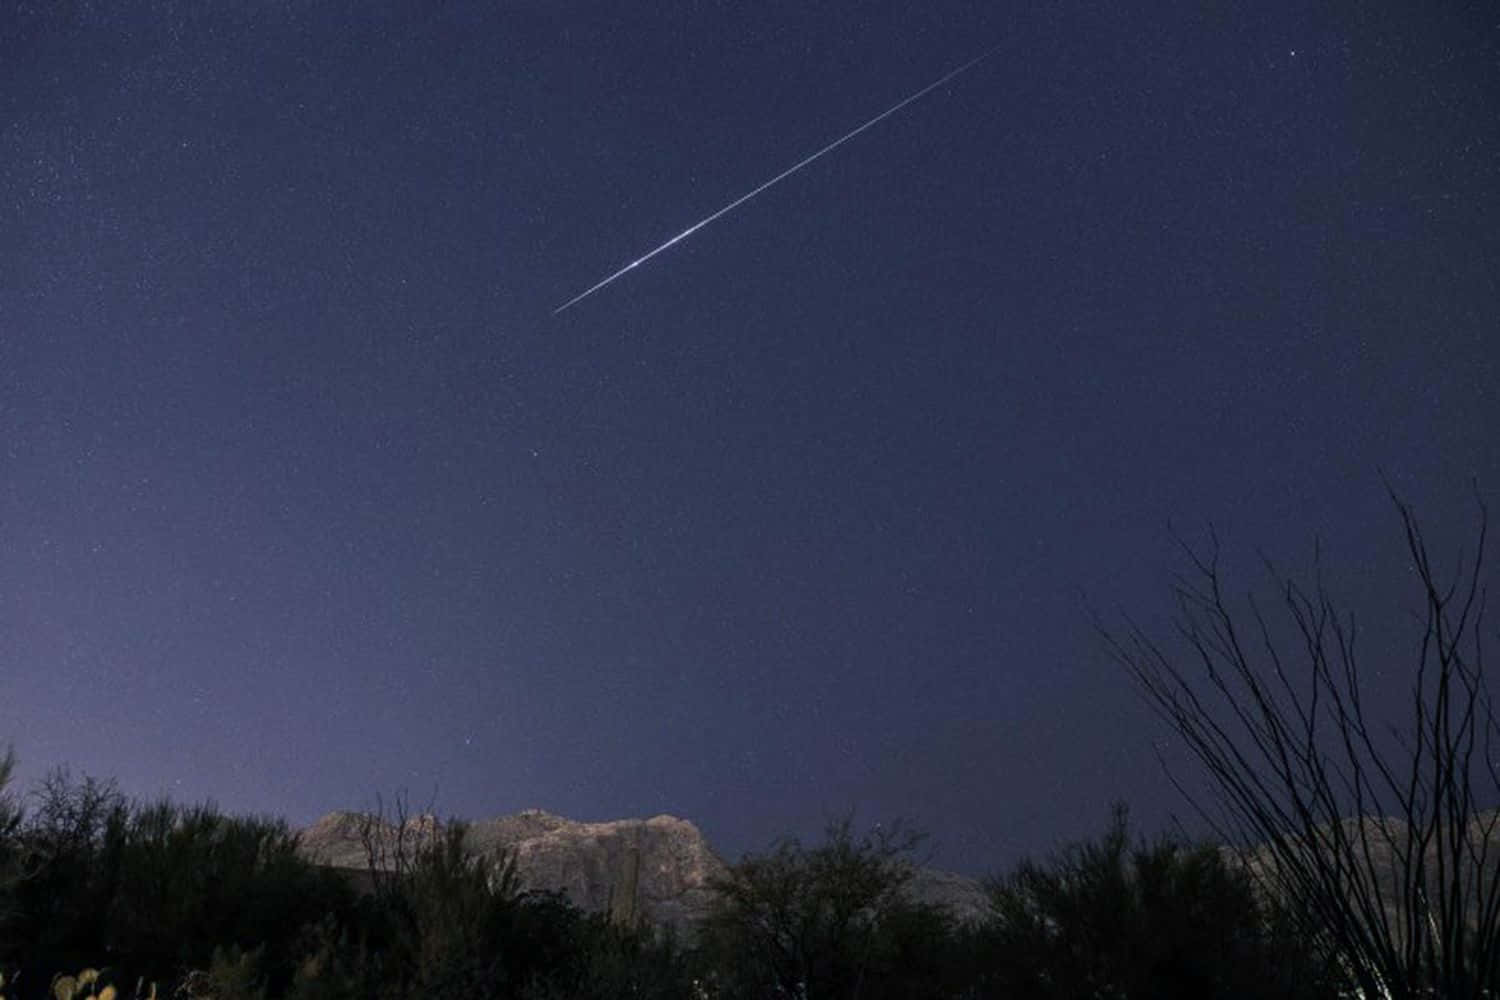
[660, 869]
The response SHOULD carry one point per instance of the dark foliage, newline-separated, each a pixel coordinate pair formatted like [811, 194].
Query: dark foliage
[1112, 918]
[221, 908]
[69, 853]
[154, 890]
[218, 908]
[826, 921]
[1379, 833]
[443, 921]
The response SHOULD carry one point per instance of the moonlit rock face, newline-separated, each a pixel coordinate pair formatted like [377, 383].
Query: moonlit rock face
[587, 861]
[1387, 840]
[583, 861]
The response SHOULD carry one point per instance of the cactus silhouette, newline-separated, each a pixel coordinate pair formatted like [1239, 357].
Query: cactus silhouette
[92, 984]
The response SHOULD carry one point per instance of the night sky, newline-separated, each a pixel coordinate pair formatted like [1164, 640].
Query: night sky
[306, 495]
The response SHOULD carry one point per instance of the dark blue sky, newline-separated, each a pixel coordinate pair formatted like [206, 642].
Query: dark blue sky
[305, 495]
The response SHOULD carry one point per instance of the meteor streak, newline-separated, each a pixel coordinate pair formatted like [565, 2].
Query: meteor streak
[789, 171]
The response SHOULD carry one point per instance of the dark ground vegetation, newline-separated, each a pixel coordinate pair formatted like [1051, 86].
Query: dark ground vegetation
[201, 904]
[1294, 902]
[1380, 835]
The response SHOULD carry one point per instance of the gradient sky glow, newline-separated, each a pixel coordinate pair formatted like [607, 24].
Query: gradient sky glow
[305, 495]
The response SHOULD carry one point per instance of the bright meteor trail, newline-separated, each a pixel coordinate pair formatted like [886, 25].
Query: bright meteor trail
[835, 144]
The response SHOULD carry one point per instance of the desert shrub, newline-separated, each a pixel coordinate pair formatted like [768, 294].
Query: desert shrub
[606, 960]
[929, 950]
[154, 890]
[216, 907]
[1120, 918]
[1374, 821]
[428, 927]
[232, 974]
[339, 963]
[193, 880]
[68, 849]
[825, 921]
[440, 920]
[11, 816]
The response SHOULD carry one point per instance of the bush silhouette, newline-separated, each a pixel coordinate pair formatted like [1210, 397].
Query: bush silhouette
[211, 906]
[826, 921]
[1378, 831]
[441, 920]
[1112, 917]
[154, 890]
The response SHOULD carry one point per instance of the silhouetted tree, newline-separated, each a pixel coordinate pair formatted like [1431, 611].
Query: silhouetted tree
[192, 882]
[439, 919]
[818, 922]
[11, 868]
[11, 816]
[154, 891]
[68, 849]
[1382, 846]
[1116, 918]
[442, 920]
[608, 960]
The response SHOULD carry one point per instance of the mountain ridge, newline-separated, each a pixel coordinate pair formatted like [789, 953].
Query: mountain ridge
[666, 859]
